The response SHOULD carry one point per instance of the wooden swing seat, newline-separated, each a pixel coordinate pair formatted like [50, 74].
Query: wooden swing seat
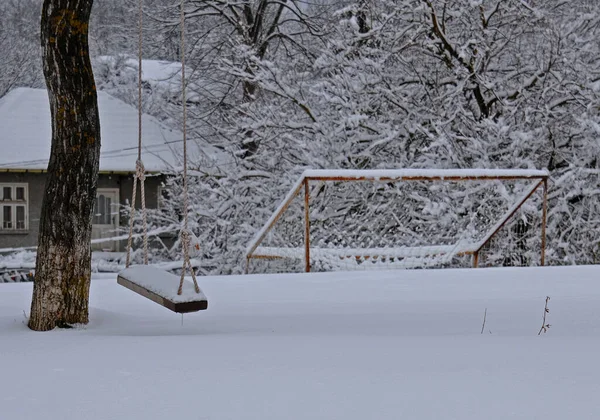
[161, 287]
[151, 282]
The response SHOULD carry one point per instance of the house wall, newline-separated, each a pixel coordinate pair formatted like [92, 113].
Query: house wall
[151, 185]
[36, 185]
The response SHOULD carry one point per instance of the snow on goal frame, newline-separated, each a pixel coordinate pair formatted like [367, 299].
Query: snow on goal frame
[419, 256]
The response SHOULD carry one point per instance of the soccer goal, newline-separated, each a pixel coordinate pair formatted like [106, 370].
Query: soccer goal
[405, 218]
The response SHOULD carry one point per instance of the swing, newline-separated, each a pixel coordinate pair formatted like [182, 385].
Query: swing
[164, 288]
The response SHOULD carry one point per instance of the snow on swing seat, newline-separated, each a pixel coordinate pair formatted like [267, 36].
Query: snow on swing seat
[161, 287]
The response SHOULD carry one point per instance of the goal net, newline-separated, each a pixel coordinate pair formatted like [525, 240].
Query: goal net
[413, 218]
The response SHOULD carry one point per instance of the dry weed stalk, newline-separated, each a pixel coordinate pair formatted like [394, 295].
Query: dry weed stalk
[545, 326]
[484, 316]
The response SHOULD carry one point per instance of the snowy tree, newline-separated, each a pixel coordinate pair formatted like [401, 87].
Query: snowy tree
[281, 86]
[113, 28]
[19, 45]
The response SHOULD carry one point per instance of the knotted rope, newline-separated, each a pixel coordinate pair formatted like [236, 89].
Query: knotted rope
[140, 175]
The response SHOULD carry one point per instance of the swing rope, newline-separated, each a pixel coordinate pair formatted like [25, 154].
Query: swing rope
[185, 233]
[140, 172]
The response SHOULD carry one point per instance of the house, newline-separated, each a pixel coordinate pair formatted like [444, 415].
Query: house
[25, 140]
[162, 77]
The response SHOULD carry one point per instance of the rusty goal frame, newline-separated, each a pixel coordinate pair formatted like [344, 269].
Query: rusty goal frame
[539, 178]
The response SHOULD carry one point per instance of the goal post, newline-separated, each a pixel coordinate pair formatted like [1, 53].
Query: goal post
[309, 245]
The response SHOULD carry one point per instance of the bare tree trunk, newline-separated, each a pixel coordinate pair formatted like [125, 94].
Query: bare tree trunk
[63, 266]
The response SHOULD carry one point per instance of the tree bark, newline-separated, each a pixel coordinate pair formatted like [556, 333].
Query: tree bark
[63, 265]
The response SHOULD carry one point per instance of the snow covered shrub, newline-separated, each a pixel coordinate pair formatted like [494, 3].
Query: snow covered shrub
[400, 84]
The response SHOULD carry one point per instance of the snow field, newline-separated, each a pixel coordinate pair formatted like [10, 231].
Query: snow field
[383, 345]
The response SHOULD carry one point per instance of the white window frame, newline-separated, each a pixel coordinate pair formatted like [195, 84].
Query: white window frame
[14, 204]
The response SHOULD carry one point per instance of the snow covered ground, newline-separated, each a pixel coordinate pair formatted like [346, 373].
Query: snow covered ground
[382, 345]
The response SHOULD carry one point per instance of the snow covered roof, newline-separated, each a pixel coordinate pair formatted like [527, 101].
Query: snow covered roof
[26, 132]
[167, 75]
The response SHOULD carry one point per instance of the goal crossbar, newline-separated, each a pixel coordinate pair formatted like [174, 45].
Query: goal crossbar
[254, 250]
[421, 174]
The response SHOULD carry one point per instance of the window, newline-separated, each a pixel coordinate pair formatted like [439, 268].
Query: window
[6, 217]
[102, 210]
[13, 207]
[20, 217]
[6, 193]
[163, 196]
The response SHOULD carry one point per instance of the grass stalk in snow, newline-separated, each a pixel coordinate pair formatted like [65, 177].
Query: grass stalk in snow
[484, 316]
[545, 326]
